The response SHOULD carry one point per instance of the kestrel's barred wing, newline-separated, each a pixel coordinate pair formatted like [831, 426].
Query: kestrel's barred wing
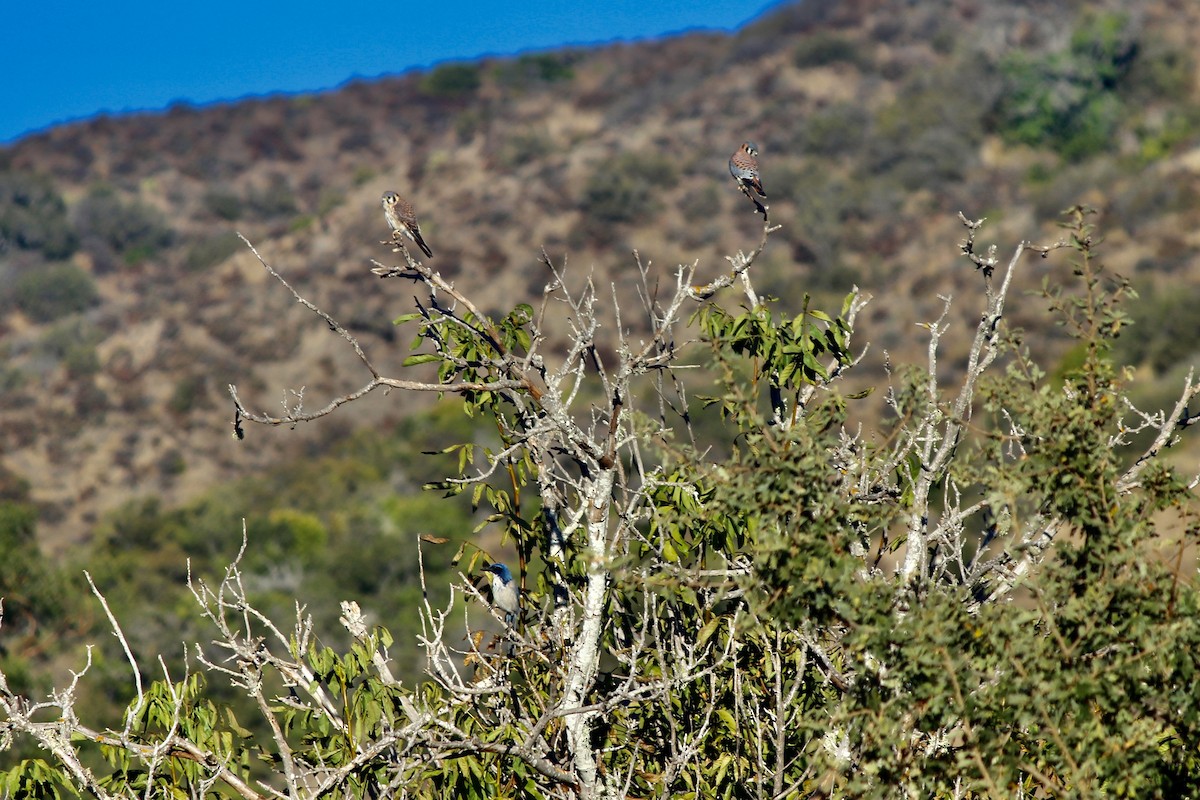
[403, 220]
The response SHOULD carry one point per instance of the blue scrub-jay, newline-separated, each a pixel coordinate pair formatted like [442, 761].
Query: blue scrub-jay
[505, 594]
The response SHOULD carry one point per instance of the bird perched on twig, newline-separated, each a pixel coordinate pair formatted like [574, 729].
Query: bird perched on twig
[743, 166]
[403, 220]
[505, 594]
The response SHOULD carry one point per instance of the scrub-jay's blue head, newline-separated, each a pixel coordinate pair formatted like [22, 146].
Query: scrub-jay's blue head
[505, 594]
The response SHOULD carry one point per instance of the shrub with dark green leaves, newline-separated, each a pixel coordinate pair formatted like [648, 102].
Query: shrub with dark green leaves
[523, 148]
[132, 229]
[33, 215]
[276, 199]
[36, 595]
[532, 69]
[1167, 339]
[190, 393]
[625, 188]
[211, 251]
[1066, 100]
[451, 81]
[834, 131]
[1160, 71]
[824, 49]
[49, 292]
[223, 203]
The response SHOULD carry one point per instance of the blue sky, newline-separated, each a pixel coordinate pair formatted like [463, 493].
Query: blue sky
[69, 60]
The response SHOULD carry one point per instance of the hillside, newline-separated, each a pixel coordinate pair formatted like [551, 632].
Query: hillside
[129, 304]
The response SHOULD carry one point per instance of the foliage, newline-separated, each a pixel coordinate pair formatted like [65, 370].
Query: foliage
[824, 49]
[1166, 343]
[33, 215]
[1067, 99]
[834, 131]
[624, 188]
[930, 135]
[532, 69]
[132, 229]
[49, 292]
[223, 203]
[328, 200]
[1160, 71]
[40, 607]
[73, 342]
[451, 81]
[211, 251]
[275, 199]
[970, 583]
[189, 394]
[524, 148]
[701, 618]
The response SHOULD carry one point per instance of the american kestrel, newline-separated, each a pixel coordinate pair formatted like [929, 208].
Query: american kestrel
[743, 166]
[403, 220]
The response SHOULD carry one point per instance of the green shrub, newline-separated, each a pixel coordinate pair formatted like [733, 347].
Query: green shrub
[522, 148]
[1161, 71]
[189, 393]
[53, 291]
[300, 223]
[172, 463]
[276, 199]
[1167, 338]
[1178, 127]
[328, 200]
[11, 379]
[1065, 100]
[296, 534]
[451, 81]
[35, 595]
[223, 204]
[834, 131]
[1108, 43]
[133, 229]
[823, 49]
[211, 251]
[72, 342]
[534, 68]
[625, 188]
[33, 215]
[81, 361]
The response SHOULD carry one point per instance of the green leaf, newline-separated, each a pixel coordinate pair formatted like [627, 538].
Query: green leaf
[707, 631]
[421, 358]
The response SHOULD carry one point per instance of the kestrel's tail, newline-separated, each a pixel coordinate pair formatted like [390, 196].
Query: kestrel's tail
[758, 206]
[756, 184]
[416, 235]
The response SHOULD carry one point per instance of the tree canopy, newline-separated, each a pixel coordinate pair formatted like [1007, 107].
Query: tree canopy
[732, 586]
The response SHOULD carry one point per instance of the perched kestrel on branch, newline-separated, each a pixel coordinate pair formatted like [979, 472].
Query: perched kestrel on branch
[403, 220]
[743, 166]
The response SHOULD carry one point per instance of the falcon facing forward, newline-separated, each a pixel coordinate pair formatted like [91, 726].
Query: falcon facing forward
[403, 220]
